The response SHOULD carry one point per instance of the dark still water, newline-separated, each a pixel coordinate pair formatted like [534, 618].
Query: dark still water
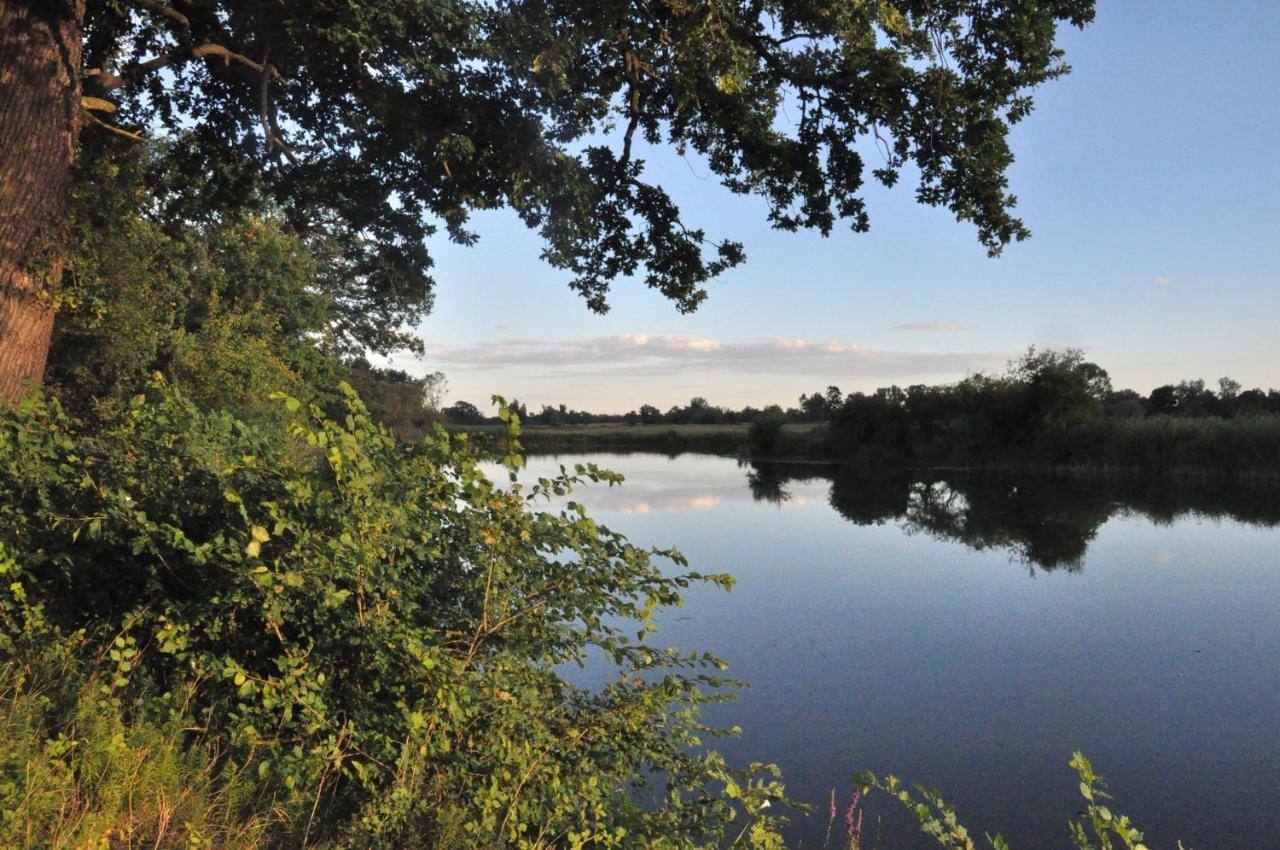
[968, 633]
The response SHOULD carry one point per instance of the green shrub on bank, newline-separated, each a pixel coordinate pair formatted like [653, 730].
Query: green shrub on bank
[336, 639]
[762, 437]
[1094, 828]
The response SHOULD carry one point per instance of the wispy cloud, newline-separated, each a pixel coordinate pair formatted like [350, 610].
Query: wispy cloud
[1159, 280]
[940, 326]
[639, 353]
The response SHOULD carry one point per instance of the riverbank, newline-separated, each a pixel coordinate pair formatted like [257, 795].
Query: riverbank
[729, 440]
[1246, 447]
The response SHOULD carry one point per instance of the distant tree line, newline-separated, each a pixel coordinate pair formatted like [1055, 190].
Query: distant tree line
[1055, 407]
[1040, 388]
[698, 411]
[1048, 407]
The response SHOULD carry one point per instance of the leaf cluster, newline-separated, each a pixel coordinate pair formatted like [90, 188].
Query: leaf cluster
[1096, 828]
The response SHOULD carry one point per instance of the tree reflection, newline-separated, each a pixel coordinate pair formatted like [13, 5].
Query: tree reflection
[1044, 521]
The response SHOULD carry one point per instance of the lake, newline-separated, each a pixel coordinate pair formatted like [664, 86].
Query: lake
[969, 632]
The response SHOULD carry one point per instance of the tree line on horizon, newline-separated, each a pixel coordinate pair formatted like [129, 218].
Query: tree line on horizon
[1064, 385]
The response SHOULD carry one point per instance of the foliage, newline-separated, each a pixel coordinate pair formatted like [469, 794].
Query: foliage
[79, 769]
[344, 639]
[1096, 828]
[1107, 829]
[463, 413]
[229, 308]
[762, 438]
[407, 405]
[1244, 446]
[1056, 409]
[380, 124]
[1047, 409]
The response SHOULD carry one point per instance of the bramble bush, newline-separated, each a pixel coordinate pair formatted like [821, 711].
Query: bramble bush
[314, 634]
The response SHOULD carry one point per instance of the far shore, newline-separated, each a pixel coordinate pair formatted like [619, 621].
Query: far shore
[810, 444]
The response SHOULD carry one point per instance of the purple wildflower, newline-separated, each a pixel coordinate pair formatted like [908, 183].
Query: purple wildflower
[830, 818]
[853, 829]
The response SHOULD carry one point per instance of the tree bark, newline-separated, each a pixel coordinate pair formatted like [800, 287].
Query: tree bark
[39, 122]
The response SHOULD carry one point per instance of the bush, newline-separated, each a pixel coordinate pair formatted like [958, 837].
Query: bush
[358, 636]
[1094, 828]
[762, 438]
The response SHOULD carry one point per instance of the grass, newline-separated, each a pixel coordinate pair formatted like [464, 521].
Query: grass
[1246, 446]
[79, 770]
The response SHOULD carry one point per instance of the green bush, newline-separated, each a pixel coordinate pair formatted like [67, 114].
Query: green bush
[762, 438]
[1095, 828]
[343, 639]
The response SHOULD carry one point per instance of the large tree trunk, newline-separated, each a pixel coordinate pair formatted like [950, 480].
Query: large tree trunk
[39, 119]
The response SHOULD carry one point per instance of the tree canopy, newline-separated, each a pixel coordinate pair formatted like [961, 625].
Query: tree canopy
[385, 121]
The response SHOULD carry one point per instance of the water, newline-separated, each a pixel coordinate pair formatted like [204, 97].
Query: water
[970, 632]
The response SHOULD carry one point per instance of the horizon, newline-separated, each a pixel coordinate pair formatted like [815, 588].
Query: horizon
[532, 406]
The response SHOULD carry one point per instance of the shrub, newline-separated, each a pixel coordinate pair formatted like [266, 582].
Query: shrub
[361, 636]
[762, 438]
[1095, 828]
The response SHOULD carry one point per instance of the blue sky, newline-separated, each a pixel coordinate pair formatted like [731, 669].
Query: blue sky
[1150, 178]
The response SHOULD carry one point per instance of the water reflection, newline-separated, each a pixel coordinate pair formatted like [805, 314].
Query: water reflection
[872, 640]
[1045, 522]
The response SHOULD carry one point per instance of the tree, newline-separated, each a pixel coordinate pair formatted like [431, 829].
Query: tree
[1059, 387]
[463, 413]
[1193, 398]
[39, 122]
[1163, 399]
[820, 406]
[835, 398]
[378, 123]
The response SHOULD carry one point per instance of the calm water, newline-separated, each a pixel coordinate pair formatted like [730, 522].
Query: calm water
[968, 633]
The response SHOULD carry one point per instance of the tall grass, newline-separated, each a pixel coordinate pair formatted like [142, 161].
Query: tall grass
[1244, 446]
[79, 769]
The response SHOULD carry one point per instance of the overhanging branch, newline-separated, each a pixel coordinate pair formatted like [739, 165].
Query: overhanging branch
[164, 10]
[263, 72]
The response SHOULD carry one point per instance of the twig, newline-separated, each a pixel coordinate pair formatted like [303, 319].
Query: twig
[111, 128]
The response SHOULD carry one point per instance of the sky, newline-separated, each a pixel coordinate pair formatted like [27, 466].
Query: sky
[1150, 179]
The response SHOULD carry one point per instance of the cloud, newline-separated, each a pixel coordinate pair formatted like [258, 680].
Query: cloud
[1159, 280]
[940, 326]
[640, 353]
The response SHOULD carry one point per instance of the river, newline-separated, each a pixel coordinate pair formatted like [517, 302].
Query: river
[969, 632]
